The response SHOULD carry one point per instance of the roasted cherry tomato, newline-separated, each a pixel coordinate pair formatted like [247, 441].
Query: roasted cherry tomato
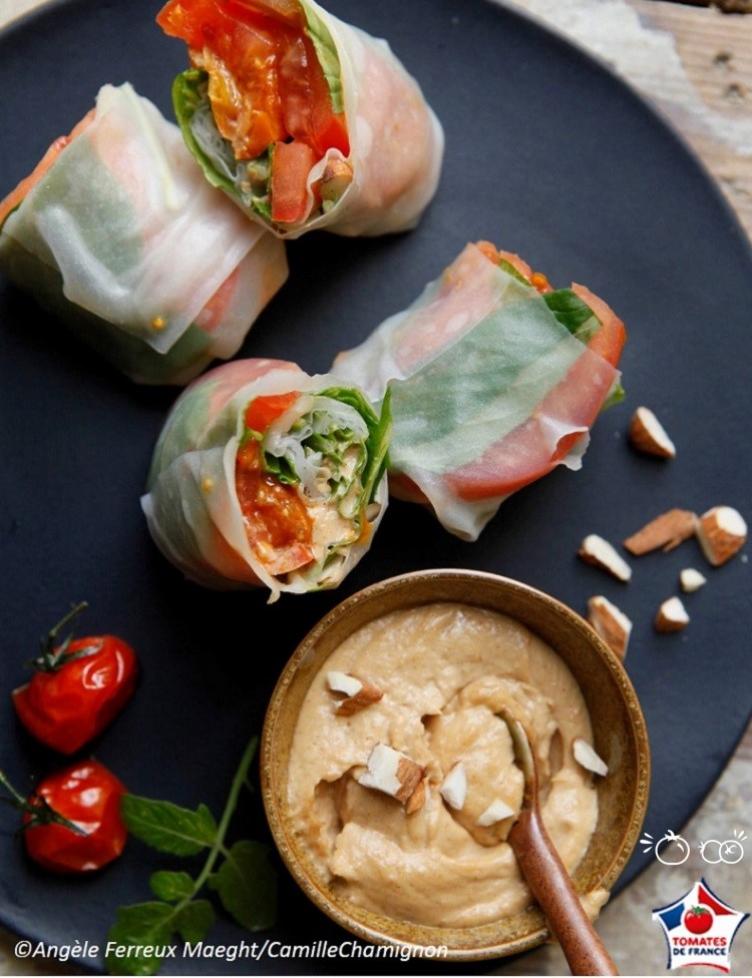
[79, 686]
[72, 821]
[277, 521]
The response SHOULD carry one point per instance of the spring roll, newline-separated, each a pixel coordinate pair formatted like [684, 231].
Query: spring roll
[304, 121]
[118, 234]
[495, 379]
[266, 476]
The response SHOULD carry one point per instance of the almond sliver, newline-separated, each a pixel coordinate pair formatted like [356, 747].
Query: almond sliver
[586, 757]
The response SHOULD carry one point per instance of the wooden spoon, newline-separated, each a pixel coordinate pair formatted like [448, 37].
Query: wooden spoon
[546, 876]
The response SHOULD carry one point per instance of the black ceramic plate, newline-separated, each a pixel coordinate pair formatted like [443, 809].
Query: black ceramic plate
[547, 154]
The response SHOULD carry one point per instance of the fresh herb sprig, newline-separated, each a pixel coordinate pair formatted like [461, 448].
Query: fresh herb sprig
[241, 875]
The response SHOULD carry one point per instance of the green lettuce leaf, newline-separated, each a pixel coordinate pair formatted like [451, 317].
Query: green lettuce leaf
[616, 396]
[326, 52]
[246, 181]
[281, 469]
[573, 314]
[189, 95]
[379, 434]
[509, 268]
[576, 315]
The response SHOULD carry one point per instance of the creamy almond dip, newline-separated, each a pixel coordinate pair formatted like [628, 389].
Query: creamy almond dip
[445, 670]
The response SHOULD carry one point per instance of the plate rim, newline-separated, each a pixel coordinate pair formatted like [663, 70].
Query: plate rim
[46, 8]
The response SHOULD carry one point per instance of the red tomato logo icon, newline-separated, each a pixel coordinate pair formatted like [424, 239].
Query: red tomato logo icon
[698, 920]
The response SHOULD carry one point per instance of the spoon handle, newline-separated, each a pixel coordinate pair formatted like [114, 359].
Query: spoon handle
[552, 887]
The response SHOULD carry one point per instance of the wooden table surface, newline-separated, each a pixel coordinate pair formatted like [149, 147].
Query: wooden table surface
[695, 64]
[716, 51]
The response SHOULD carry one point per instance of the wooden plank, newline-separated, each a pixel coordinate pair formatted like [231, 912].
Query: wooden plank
[716, 51]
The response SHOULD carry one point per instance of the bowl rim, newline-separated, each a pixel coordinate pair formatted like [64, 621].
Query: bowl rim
[337, 910]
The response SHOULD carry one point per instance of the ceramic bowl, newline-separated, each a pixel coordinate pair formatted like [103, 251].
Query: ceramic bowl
[619, 731]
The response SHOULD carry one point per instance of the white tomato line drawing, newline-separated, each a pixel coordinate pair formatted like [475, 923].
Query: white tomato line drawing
[730, 851]
[711, 855]
[665, 852]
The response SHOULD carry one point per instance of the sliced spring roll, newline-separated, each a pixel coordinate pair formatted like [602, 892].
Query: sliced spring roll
[495, 379]
[304, 121]
[264, 475]
[118, 234]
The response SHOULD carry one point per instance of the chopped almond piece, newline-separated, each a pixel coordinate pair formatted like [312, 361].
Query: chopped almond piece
[672, 616]
[497, 811]
[599, 552]
[335, 180]
[392, 772]
[359, 693]
[585, 755]
[367, 696]
[691, 580]
[417, 799]
[343, 682]
[667, 531]
[454, 787]
[372, 511]
[610, 623]
[648, 435]
[722, 533]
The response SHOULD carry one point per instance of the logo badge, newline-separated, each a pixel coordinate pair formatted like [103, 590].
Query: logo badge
[699, 928]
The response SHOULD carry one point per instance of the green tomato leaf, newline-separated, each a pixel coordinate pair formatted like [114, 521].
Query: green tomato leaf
[168, 827]
[171, 886]
[247, 885]
[195, 921]
[145, 927]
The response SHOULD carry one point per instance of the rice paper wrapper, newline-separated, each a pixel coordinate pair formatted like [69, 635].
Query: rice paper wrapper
[486, 387]
[125, 239]
[191, 505]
